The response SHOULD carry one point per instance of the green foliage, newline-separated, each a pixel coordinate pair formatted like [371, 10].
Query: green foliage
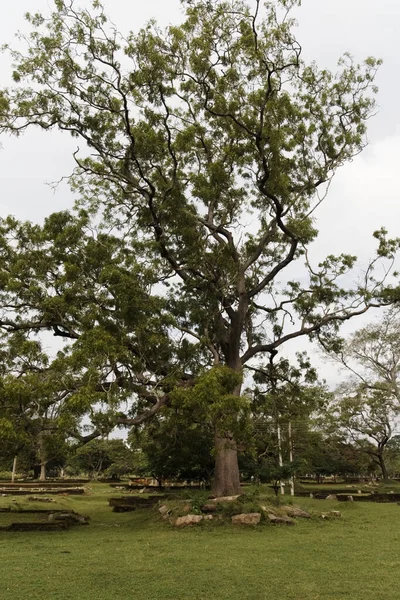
[228, 509]
[175, 446]
[197, 501]
[212, 400]
[111, 458]
[162, 289]
[367, 406]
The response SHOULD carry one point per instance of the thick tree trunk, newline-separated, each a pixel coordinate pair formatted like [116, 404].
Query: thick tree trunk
[43, 471]
[382, 465]
[226, 480]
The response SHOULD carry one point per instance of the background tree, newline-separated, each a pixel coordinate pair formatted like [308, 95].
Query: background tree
[174, 448]
[189, 130]
[286, 395]
[368, 406]
[323, 455]
[393, 456]
[368, 416]
[111, 458]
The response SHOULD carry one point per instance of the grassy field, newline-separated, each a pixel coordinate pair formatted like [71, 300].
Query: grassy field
[137, 555]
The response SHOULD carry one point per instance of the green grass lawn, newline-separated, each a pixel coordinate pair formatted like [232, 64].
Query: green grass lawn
[138, 556]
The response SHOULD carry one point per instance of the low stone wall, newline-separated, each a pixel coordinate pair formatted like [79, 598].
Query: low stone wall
[22, 491]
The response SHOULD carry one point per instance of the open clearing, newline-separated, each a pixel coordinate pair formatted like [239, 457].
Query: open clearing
[137, 555]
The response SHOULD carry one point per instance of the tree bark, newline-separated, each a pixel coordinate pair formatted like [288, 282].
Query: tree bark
[226, 480]
[43, 471]
[383, 468]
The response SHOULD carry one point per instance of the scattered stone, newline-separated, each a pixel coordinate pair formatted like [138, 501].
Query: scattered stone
[209, 507]
[163, 510]
[187, 508]
[246, 519]
[39, 499]
[207, 518]
[295, 511]
[71, 518]
[331, 497]
[350, 498]
[311, 495]
[333, 514]
[269, 510]
[188, 520]
[280, 520]
[359, 491]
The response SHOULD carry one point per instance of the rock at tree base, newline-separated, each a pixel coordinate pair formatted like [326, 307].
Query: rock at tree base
[280, 520]
[209, 507]
[188, 520]
[224, 499]
[295, 511]
[246, 519]
[269, 510]
[163, 510]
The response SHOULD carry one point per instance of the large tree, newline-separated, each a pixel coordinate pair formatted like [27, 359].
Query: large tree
[370, 419]
[209, 145]
[368, 405]
[40, 405]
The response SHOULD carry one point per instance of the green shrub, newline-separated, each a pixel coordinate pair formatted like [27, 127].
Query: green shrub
[251, 495]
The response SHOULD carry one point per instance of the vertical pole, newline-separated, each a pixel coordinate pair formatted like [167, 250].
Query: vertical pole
[14, 469]
[291, 456]
[278, 428]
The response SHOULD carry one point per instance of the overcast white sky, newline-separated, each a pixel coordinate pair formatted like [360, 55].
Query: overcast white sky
[364, 195]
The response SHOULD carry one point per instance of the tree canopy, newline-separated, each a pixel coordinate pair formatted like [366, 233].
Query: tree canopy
[206, 149]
